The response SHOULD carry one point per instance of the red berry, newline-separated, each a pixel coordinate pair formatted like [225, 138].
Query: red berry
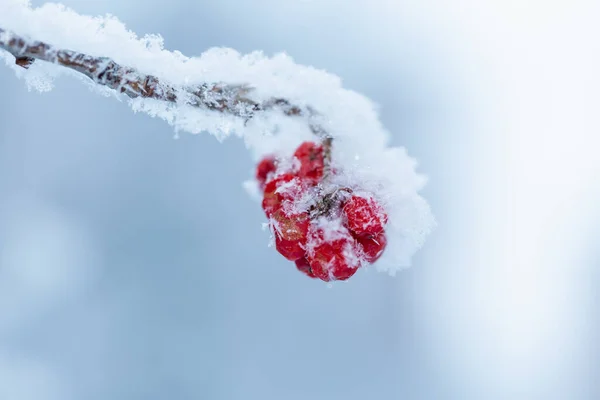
[291, 231]
[291, 226]
[304, 267]
[336, 259]
[364, 215]
[265, 167]
[373, 246]
[311, 160]
[292, 250]
[283, 188]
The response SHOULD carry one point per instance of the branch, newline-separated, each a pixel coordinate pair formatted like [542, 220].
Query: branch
[220, 97]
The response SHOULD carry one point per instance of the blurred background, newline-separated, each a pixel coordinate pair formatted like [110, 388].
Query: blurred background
[133, 264]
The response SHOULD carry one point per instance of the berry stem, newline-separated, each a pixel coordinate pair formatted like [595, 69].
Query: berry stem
[327, 144]
[328, 202]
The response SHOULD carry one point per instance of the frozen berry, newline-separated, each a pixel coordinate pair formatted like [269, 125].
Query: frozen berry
[333, 259]
[311, 160]
[283, 188]
[364, 215]
[328, 232]
[292, 250]
[304, 267]
[265, 168]
[291, 231]
[373, 246]
[290, 226]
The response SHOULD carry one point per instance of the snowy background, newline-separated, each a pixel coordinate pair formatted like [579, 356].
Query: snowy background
[133, 265]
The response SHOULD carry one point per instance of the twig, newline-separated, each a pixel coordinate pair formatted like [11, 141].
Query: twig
[221, 97]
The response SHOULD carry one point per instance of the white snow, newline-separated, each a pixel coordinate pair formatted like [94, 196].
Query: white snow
[360, 148]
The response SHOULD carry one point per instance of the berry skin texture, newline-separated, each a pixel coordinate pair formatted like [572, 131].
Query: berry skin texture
[265, 167]
[291, 231]
[292, 250]
[364, 216]
[304, 267]
[311, 160]
[333, 260]
[373, 246]
[291, 226]
[283, 188]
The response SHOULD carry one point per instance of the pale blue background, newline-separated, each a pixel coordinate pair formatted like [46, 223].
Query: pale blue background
[176, 295]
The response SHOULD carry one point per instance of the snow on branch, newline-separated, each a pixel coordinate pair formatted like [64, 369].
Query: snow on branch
[272, 103]
[221, 97]
[126, 80]
[231, 99]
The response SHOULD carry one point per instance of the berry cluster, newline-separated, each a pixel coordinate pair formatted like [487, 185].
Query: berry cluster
[328, 231]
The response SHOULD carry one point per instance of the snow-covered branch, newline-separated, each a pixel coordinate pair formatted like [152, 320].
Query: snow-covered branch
[272, 103]
[221, 97]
